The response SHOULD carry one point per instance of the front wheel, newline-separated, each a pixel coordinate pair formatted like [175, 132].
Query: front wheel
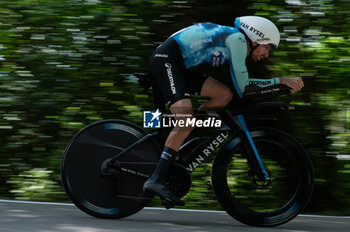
[274, 201]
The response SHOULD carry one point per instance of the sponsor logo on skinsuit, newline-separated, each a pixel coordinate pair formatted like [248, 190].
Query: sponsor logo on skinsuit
[171, 77]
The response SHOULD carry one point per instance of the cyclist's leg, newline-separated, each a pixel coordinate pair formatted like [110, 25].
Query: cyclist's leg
[175, 139]
[198, 83]
[167, 68]
[220, 95]
[182, 110]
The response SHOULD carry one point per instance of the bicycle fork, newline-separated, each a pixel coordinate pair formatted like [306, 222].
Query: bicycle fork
[249, 146]
[251, 152]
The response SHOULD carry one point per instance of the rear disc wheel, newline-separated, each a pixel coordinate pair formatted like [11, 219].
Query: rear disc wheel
[119, 193]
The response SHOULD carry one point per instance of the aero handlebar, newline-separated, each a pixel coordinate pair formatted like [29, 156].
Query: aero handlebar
[255, 93]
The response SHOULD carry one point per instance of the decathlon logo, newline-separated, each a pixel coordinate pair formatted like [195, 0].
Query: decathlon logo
[171, 77]
[151, 119]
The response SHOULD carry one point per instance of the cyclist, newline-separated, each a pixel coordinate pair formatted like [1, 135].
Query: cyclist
[252, 36]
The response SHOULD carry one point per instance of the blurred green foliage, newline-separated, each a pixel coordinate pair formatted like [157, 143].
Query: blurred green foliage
[67, 63]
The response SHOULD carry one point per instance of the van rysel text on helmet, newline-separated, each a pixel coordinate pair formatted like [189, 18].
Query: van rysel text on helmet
[252, 29]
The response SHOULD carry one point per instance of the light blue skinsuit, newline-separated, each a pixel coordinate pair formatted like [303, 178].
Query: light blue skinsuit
[217, 45]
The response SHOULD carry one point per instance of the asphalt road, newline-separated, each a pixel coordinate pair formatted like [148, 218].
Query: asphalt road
[29, 216]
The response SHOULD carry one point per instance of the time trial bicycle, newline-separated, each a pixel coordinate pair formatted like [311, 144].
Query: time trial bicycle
[261, 176]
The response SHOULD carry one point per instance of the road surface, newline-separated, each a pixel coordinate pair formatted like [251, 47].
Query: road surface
[18, 216]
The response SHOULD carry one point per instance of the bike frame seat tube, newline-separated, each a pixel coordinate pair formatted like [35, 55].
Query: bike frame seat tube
[160, 104]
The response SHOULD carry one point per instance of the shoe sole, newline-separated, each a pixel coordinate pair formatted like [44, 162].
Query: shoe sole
[164, 198]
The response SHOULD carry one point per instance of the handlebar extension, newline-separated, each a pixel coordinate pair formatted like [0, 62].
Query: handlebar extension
[256, 93]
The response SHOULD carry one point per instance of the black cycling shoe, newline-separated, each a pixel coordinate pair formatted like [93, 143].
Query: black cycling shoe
[163, 192]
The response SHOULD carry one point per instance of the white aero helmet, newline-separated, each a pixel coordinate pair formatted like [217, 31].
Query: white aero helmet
[259, 29]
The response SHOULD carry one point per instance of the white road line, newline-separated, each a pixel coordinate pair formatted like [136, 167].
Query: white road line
[36, 202]
[188, 210]
[323, 216]
[154, 208]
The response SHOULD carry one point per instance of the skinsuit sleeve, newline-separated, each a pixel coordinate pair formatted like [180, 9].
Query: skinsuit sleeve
[236, 44]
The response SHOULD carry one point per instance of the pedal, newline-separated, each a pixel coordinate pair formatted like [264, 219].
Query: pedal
[168, 204]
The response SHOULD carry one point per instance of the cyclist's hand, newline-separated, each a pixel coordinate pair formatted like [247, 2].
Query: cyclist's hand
[296, 83]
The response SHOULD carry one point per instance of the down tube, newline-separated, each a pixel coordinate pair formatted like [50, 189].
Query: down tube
[202, 153]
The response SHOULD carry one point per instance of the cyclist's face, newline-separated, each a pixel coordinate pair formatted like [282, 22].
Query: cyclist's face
[261, 52]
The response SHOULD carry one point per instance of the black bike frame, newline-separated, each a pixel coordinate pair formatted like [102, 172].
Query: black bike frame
[236, 126]
[235, 123]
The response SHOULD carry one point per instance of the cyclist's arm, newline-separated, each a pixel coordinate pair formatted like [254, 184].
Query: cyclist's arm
[236, 45]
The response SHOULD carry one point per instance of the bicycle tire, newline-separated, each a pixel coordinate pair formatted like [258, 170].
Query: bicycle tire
[104, 196]
[283, 198]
